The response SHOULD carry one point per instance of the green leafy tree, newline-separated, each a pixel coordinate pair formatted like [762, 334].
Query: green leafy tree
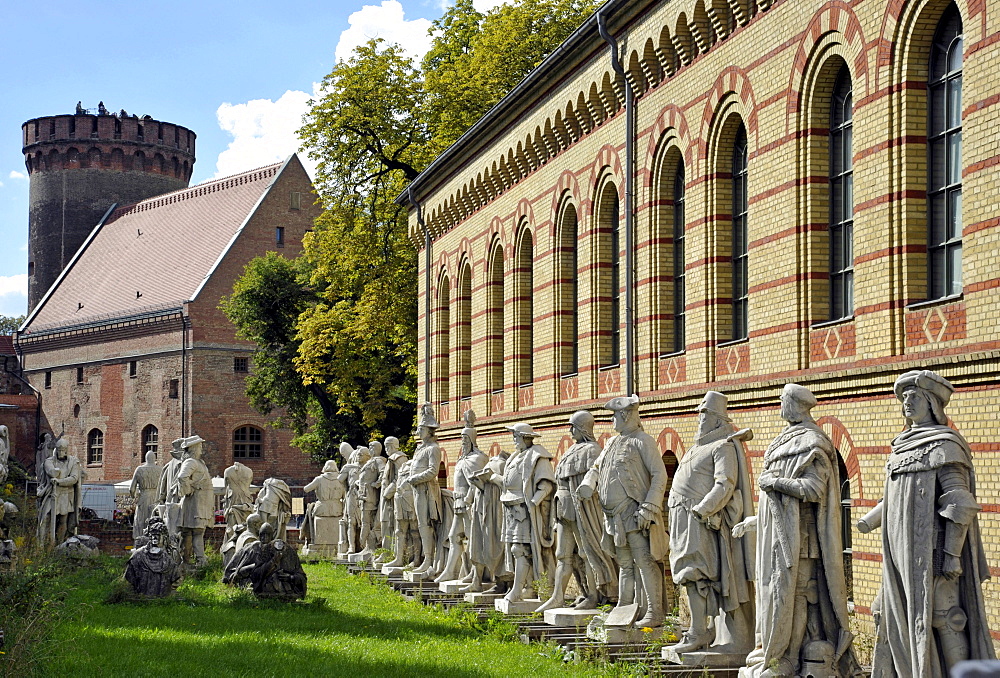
[9, 324]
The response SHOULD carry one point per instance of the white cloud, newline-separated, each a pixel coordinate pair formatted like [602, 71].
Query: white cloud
[14, 174]
[385, 21]
[263, 132]
[14, 284]
[24, 247]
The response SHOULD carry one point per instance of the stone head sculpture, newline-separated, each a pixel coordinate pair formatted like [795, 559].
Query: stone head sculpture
[175, 448]
[254, 521]
[796, 403]
[62, 448]
[626, 412]
[581, 426]
[266, 533]
[391, 445]
[330, 466]
[524, 435]
[924, 395]
[151, 458]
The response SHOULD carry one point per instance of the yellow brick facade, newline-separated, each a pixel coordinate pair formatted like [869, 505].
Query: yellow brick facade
[506, 193]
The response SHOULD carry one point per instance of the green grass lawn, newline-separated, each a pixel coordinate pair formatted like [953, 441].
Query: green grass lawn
[346, 627]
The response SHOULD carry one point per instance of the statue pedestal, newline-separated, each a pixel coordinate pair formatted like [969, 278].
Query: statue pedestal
[327, 531]
[392, 570]
[412, 576]
[705, 658]
[318, 551]
[620, 635]
[452, 586]
[567, 616]
[480, 598]
[362, 557]
[519, 607]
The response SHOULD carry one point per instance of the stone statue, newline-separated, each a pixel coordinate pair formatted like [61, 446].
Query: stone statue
[933, 614]
[60, 483]
[247, 536]
[470, 462]
[579, 527]
[630, 480]
[390, 474]
[44, 450]
[197, 500]
[153, 568]
[710, 495]
[79, 547]
[237, 503]
[423, 479]
[145, 481]
[801, 591]
[274, 504]
[486, 551]
[351, 522]
[321, 526]
[8, 511]
[4, 453]
[406, 539]
[369, 487]
[270, 567]
[528, 485]
[168, 496]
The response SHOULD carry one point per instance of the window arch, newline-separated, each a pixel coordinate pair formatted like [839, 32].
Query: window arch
[669, 256]
[609, 276]
[150, 440]
[248, 443]
[944, 158]
[841, 230]
[524, 309]
[740, 251]
[495, 320]
[463, 333]
[95, 446]
[442, 326]
[569, 291]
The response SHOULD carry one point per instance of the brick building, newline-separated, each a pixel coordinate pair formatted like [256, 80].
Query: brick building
[129, 348]
[732, 196]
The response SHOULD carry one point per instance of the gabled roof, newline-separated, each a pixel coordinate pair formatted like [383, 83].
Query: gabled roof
[6, 345]
[154, 255]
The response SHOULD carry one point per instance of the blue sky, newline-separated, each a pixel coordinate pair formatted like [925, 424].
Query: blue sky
[238, 73]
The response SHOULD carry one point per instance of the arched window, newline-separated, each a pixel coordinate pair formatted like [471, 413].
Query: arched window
[741, 285]
[95, 446]
[944, 151]
[495, 322]
[609, 272]
[841, 198]
[442, 327]
[569, 293]
[463, 330]
[524, 314]
[678, 260]
[150, 440]
[846, 523]
[248, 443]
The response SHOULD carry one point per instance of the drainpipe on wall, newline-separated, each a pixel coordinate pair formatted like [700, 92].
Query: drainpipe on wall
[602, 28]
[427, 294]
[185, 324]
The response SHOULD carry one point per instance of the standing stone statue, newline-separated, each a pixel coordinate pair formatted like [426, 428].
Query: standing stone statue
[153, 568]
[145, 481]
[60, 484]
[351, 522]
[710, 494]
[4, 453]
[321, 526]
[407, 532]
[801, 590]
[486, 551]
[168, 496]
[390, 474]
[237, 503]
[369, 487]
[426, 491]
[274, 504]
[579, 527]
[197, 505]
[630, 480]
[933, 614]
[528, 485]
[8, 512]
[470, 462]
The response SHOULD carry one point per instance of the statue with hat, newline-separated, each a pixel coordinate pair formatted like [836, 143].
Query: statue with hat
[471, 461]
[801, 589]
[579, 526]
[422, 480]
[932, 611]
[60, 492]
[630, 480]
[527, 533]
[406, 537]
[709, 495]
[390, 474]
[321, 525]
[197, 503]
[168, 498]
[369, 487]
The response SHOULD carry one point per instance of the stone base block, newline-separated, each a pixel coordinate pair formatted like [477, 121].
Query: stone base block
[412, 576]
[618, 635]
[359, 557]
[567, 616]
[392, 570]
[326, 530]
[706, 658]
[520, 607]
[480, 598]
[452, 586]
[318, 551]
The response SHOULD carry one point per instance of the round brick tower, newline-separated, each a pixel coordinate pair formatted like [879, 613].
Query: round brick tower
[79, 166]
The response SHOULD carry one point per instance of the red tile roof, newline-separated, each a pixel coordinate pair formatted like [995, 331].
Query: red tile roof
[6, 344]
[153, 254]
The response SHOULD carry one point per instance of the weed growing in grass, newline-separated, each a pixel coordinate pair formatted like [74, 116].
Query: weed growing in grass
[29, 608]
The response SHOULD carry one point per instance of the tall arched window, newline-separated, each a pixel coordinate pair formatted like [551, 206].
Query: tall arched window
[442, 326]
[740, 250]
[678, 260]
[841, 198]
[248, 443]
[609, 272]
[569, 293]
[524, 314]
[150, 440]
[944, 150]
[95, 446]
[495, 322]
[463, 331]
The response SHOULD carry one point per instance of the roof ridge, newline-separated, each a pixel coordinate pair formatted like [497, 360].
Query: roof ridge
[198, 190]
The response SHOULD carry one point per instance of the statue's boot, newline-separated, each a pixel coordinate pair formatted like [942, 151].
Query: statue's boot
[693, 641]
[451, 570]
[782, 668]
[585, 603]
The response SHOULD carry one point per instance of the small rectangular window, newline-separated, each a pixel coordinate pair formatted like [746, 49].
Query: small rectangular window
[241, 365]
[79, 375]
[132, 367]
[296, 200]
[279, 236]
[48, 380]
[173, 388]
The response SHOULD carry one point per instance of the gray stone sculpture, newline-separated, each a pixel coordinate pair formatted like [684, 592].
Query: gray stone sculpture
[630, 480]
[579, 527]
[60, 482]
[801, 591]
[321, 525]
[197, 501]
[422, 479]
[237, 503]
[528, 485]
[4, 453]
[153, 568]
[247, 536]
[79, 548]
[351, 522]
[932, 611]
[369, 487]
[270, 567]
[386, 517]
[168, 495]
[709, 495]
[274, 504]
[145, 481]
[406, 540]
[471, 461]
[8, 512]
[486, 551]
